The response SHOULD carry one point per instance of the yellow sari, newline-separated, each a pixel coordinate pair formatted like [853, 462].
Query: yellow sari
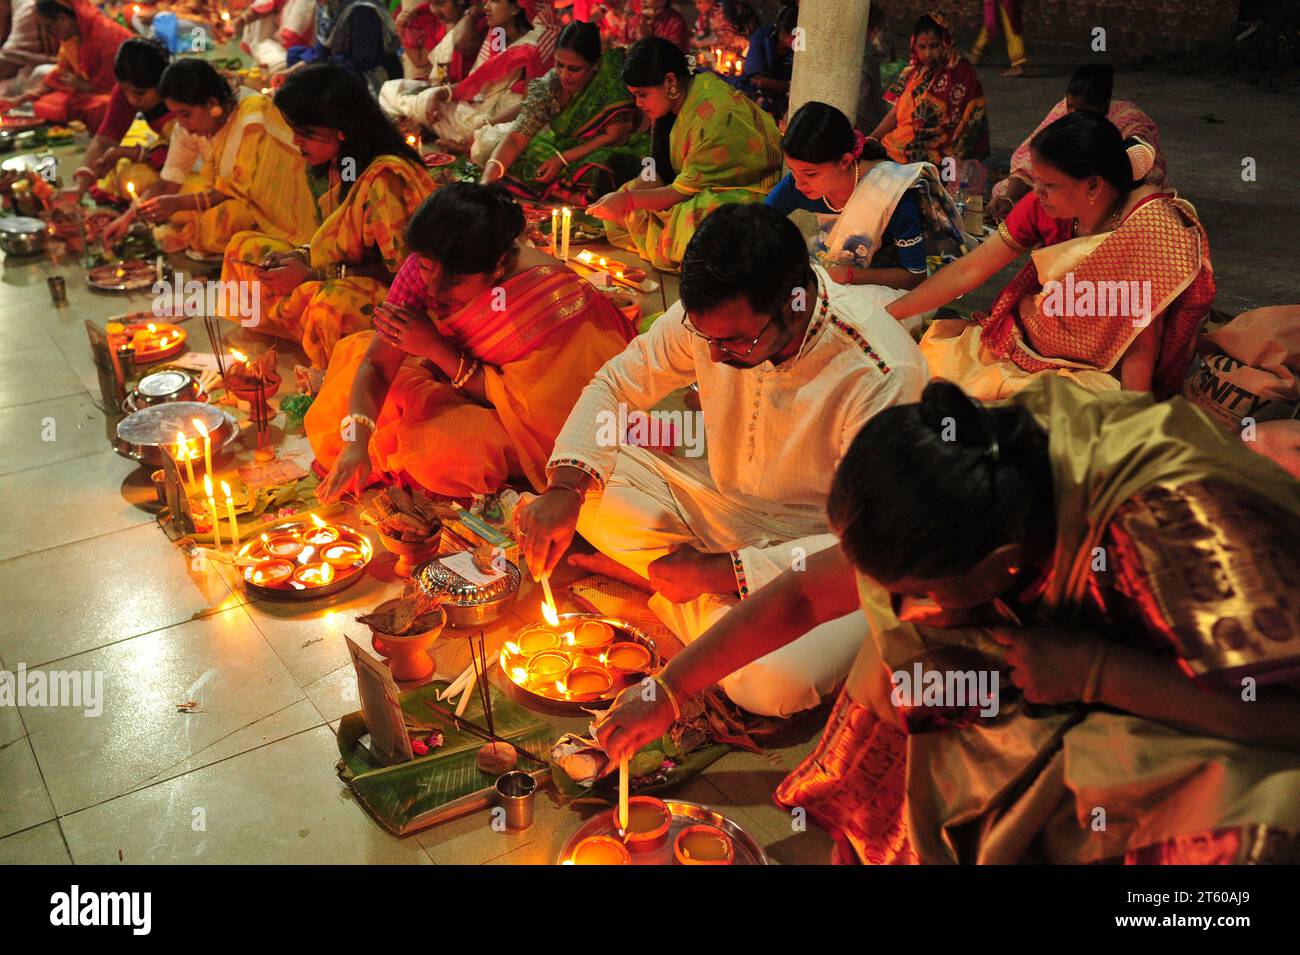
[1023, 786]
[255, 163]
[368, 224]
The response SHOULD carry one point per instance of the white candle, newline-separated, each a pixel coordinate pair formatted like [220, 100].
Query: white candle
[183, 451]
[622, 793]
[566, 215]
[212, 511]
[207, 447]
[555, 232]
[470, 684]
[230, 513]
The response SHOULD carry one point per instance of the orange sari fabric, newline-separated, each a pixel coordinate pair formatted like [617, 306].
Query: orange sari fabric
[538, 355]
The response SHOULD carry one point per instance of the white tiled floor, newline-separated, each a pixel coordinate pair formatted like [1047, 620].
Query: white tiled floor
[89, 582]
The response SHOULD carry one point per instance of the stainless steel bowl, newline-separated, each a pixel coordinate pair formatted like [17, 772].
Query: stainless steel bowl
[148, 434]
[21, 235]
[468, 605]
[163, 386]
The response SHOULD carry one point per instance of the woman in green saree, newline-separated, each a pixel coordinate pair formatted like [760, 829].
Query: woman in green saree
[1127, 567]
[573, 140]
[711, 146]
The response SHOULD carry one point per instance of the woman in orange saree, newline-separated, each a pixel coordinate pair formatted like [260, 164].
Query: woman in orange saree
[476, 360]
[80, 84]
[1115, 293]
[1067, 594]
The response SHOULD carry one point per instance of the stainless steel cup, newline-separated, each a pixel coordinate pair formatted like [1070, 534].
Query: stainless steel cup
[58, 289]
[516, 791]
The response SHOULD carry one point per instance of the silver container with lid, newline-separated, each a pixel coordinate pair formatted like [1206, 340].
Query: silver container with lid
[162, 386]
[150, 433]
[22, 235]
[466, 603]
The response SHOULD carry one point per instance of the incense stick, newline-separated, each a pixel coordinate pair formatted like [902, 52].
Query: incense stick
[480, 732]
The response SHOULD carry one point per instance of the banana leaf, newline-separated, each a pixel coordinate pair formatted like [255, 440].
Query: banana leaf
[646, 772]
[447, 782]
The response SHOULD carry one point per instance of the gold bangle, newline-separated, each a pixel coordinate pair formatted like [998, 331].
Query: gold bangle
[582, 495]
[1093, 682]
[463, 380]
[672, 697]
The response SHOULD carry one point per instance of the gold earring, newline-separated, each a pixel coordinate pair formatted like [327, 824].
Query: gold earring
[215, 112]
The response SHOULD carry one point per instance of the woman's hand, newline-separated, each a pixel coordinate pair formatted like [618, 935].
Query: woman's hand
[160, 208]
[413, 334]
[998, 209]
[548, 170]
[283, 272]
[1049, 665]
[350, 471]
[612, 207]
[116, 231]
[545, 527]
[633, 722]
[841, 274]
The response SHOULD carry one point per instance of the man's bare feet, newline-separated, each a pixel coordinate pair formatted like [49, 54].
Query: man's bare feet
[598, 563]
[1014, 71]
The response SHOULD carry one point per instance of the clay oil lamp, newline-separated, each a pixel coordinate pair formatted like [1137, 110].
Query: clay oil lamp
[271, 573]
[286, 545]
[703, 845]
[648, 822]
[341, 554]
[536, 640]
[600, 850]
[587, 683]
[321, 533]
[626, 659]
[591, 635]
[549, 666]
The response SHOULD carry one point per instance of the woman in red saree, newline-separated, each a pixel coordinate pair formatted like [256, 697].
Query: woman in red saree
[82, 80]
[477, 357]
[1116, 291]
[938, 109]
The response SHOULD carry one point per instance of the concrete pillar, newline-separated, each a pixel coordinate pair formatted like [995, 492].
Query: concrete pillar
[829, 67]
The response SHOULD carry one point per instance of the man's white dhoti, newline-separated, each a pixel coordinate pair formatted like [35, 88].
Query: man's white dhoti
[653, 502]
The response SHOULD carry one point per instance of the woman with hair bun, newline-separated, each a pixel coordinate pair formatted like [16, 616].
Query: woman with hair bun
[878, 220]
[476, 359]
[1114, 295]
[1101, 572]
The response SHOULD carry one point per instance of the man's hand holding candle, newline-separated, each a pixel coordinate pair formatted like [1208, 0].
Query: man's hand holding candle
[634, 722]
[546, 524]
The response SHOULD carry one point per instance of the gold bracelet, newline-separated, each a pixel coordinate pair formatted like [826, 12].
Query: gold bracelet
[1093, 682]
[462, 381]
[672, 697]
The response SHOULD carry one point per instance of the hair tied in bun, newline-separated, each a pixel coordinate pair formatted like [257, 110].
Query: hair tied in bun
[859, 140]
[1141, 158]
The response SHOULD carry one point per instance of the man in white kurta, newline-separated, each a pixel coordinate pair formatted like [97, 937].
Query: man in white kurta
[775, 435]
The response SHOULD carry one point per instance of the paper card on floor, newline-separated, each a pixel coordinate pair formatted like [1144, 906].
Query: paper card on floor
[195, 361]
[272, 474]
[463, 564]
[381, 707]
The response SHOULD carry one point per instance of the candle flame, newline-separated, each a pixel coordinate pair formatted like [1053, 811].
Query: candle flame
[153, 329]
[182, 446]
[548, 612]
[562, 687]
[513, 648]
[130, 187]
[570, 639]
[519, 674]
[317, 521]
[264, 538]
[239, 355]
[225, 15]
[199, 426]
[225, 489]
[207, 485]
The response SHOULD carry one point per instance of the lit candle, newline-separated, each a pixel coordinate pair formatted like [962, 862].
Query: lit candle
[212, 511]
[566, 217]
[183, 451]
[622, 792]
[207, 447]
[130, 188]
[230, 513]
[555, 232]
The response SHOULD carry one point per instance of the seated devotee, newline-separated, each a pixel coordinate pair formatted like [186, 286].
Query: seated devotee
[79, 86]
[1115, 292]
[1119, 679]
[491, 93]
[769, 64]
[356, 34]
[877, 220]
[451, 390]
[139, 67]
[439, 39]
[711, 147]
[659, 18]
[724, 25]
[573, 139]
[267, 28]
[614, 18]
[249, 177]
[368, 182]
[789, 367]
[26, 52]
[938, 107]
[1089, 90]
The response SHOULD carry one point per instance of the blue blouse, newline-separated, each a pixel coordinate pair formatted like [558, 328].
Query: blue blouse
[904, 230]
